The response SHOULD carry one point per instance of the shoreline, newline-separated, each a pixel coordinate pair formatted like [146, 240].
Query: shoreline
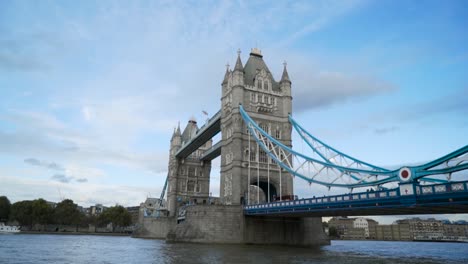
[71, 233]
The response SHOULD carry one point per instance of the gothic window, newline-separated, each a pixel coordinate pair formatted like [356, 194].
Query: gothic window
[253, 156]
[260, 84]
[267, 85]
[278, 133]
[182, 186]
[265, 127]
[263, 156]
[191, 171]
[272, 161]
[182, 171]
[252, 97]
[191, 186]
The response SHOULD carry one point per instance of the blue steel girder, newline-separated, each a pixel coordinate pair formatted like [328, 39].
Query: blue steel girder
[301, 131]
[273, 148]
[205, 133]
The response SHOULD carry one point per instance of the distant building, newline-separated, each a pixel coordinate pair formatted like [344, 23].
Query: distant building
[342, 225]
[354, 228]
[95, 210]
[134, 211]
[456, 230]
[372, 224]
[424, 229]
[362, 223]
[392, 232]
[153, 207]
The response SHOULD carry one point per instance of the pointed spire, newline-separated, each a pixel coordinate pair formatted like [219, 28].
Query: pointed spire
[285, 76]
[226, 75]
[177, 132]
[238, 66]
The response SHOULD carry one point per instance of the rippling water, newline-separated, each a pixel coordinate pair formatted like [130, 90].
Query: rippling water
[23, 248]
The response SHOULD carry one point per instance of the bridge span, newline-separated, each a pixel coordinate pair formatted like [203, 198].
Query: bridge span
[408, 199]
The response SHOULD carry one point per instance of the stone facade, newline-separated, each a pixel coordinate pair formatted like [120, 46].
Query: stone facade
[189, 179]
[268, 102]
[226, 224]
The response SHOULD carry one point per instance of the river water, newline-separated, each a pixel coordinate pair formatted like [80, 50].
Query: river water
[42, 249]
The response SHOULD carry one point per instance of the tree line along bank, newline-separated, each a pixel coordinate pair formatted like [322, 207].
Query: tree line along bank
[41, 215]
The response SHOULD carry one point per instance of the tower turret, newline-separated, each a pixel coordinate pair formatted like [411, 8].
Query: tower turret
[238, 73]
[285, 86]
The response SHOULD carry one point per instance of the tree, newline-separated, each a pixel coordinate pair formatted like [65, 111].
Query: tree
[41, 212]
[117, 215]
[5, 207]
[22, 212]
[66, 213]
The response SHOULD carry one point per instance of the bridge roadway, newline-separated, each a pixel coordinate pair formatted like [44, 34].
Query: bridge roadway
[205, 133]
[444, 198]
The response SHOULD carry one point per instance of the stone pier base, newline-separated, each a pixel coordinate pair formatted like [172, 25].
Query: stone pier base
[227, 224]
[154, 227]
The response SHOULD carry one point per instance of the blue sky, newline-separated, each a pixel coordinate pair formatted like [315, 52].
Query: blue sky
[91, 91]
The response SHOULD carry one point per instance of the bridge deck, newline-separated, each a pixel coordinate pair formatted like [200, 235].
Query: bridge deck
[205, 133]
[432, 199]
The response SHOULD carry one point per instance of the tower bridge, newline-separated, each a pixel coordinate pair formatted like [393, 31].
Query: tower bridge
[258, 165]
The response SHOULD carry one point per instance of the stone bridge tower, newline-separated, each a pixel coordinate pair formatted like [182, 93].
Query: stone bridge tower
[268, 102]
[189, 179]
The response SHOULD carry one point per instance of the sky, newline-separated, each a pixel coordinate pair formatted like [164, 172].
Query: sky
[91, 91]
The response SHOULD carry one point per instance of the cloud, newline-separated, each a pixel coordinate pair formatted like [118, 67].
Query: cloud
[36, 162]
[67, 179]
[385, 130]
[61, 178]
[328, 88]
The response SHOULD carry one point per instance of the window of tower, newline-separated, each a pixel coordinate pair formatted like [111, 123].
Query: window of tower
[278, 133]
[263, 156]
[191, 171]
[265, 127]
[253, 156]
[191, 186]
[182, 186]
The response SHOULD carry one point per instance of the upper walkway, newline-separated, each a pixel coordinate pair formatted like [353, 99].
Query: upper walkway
[421, 199]
[204, 134]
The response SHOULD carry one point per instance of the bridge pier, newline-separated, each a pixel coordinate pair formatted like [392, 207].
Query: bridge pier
[291, 231]
[226, 224]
